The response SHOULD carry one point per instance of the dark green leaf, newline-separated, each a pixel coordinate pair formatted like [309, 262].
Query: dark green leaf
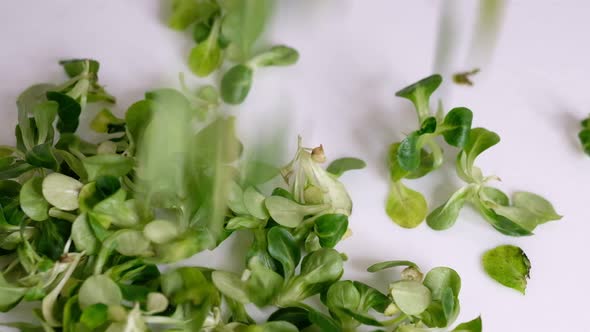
[419, 93]
[236, 83]
[42, 156]
[45, 114]
[501, 223]
[408, 153]
[339, 166]
[294, 315]
[425, 86]
[73, 163]
[283, 193]
[456, 126]
[15, 170]
[584, 137]
[325, 323]
[201, 31]
[330, 228]
[134, 293]
[283, 248]
[107, 185]
[428, 126]
[53, 235]
[69, 111]
[363, 318]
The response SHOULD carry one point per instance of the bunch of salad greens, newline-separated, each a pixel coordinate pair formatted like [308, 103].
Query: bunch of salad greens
[228, 30]
[420, 153]
[87, 229]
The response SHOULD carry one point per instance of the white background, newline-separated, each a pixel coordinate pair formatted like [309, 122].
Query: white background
[354, 56]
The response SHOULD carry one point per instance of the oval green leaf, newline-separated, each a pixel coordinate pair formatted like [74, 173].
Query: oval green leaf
[61, 191]
[31, 200]
[508, 265]
[405, 206]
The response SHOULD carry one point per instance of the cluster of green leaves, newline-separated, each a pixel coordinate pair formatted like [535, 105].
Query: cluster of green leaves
[83, 226]
[228, 30]
[420, 153]
[584, 135]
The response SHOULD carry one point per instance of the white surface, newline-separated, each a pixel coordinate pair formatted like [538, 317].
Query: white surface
[354, 56]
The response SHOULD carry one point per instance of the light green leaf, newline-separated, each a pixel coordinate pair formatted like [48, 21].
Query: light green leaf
[288, 213]
[411, 297]
[254, 203]
[94, 315]
[441, 278]
[61, 191]
[161, 231]
[10, 295]
[263, 283]
[471, 326]
[243, 24]
[99, 289]
[247, 222]
[107, 164]
[130, 242]
[206, 56]
[537, 205]
[508, 265]
[389, 264]
[518, 215]
[156, 302]
[405, 206]
[445, 216]
[279, 55]
[231, 286]
[186, 12]
[31, 200]
[83, 236]
[116, 210]
[235, 199]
